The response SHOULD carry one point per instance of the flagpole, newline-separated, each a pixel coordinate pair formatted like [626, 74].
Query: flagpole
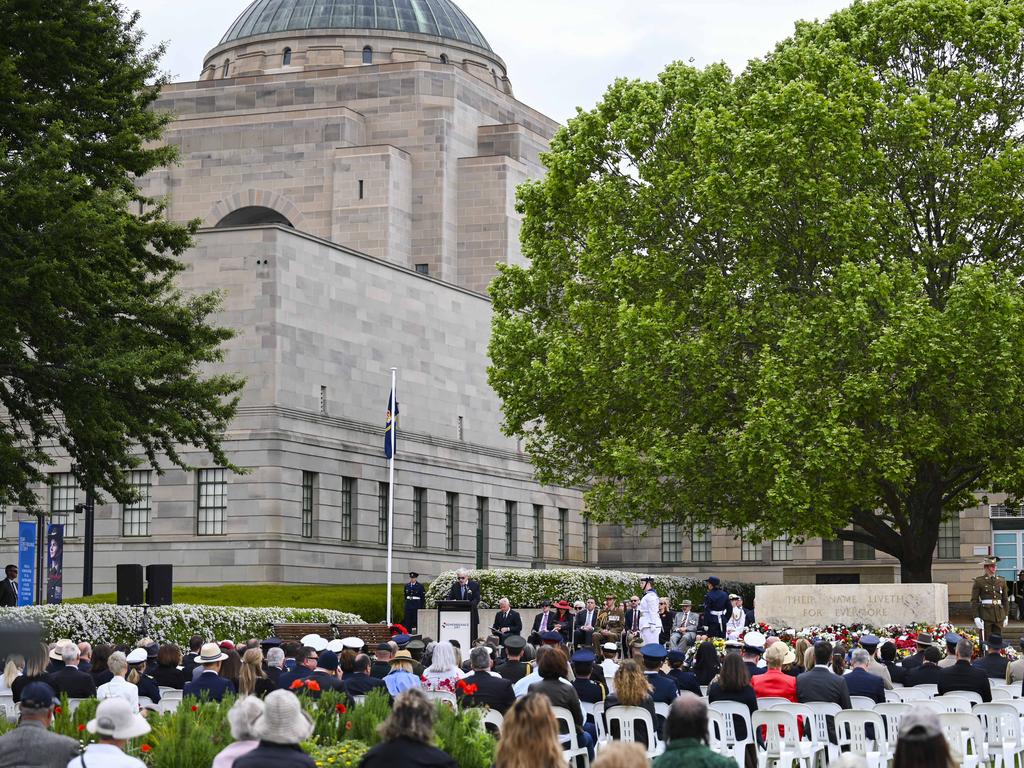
[391, 480]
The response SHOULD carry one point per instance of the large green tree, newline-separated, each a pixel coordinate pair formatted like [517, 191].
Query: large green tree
[99, 353]
[790, 298]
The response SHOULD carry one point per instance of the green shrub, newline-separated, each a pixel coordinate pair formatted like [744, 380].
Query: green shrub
[460, 734]
[346, 754]
[367, 717]
[190, 737]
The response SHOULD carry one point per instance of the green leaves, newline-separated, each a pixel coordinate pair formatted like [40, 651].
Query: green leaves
[789, 297]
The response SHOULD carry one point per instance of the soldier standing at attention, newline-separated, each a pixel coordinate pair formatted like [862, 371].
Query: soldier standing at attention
[716, 606]
[415, 595]
[650, 621]
[990, 600]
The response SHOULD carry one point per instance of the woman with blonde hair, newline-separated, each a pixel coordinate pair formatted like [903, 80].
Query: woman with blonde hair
[252, 680]
[802, 644]
[622, 754]
[631, 690]
[35, 670]
[529, 735]
[12, 671]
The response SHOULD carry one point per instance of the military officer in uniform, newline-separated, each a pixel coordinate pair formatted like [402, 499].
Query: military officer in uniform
[716, 608]
[610, 623]
[415, 597]
[990, 600]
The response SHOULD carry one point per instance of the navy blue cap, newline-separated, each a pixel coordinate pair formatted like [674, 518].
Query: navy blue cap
[515, 642]
[869, 640]
[952, 638]
[583, 655]
[271, 642]
[551, 636]
[38, 696]
[714, 580]
[654, 651]
[675, 655]
[401, 640]
[327, 660]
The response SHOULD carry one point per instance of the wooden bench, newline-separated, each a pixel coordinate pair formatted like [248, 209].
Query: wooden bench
[371, 634]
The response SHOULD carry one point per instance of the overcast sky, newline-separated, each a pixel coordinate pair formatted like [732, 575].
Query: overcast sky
[561, 54]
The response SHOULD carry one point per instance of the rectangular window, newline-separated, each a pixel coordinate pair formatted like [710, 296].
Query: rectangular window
[586, 540]
[563, 524]
[382, 513]
[308, 491]
[423, 269]
[63, 495]
[419, 513]
[833, 549]
[862, 551]
[348, 491]
[700, 544]
[212, 507]
[3, 521]
[671, 543]
[949, 538]
[510, 529]
[451, 521]
[749, 551]
[538, 531]
[135, 515]
[782, 548]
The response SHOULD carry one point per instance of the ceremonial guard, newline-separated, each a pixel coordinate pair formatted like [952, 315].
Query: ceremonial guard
[415, 597]
[610, 623]
[990, 600]
[716, 608]
[650, 620]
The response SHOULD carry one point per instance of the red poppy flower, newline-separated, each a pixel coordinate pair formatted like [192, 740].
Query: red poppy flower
[296, 684]
[342, 709]
[313, 685]
[81, 727]
[146, 748]
[195, 708]
[348, 726]
[57, 710]
[471, 689]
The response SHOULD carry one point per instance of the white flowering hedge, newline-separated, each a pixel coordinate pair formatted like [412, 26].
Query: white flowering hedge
[169, 623]
[526, 588]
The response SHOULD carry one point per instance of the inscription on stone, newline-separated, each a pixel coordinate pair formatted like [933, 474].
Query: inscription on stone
[806, 605]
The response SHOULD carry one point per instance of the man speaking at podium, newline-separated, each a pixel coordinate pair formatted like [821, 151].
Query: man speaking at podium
[464, 589]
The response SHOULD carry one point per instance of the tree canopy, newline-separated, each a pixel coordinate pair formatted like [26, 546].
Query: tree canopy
[788, 298]
[100, 354]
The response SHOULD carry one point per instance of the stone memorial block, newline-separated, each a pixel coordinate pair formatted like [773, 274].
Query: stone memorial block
[807, 605]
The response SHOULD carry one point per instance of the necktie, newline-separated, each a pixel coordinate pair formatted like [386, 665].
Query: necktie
[544, 622]
[636, 618]
[463, 593]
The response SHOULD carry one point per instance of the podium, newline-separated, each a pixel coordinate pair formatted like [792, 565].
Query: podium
[454, 622]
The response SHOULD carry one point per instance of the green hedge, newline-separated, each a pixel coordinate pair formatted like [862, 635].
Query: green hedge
[527, 588]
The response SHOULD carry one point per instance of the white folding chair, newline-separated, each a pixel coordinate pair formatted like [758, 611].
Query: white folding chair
[953, 702]
[966, 736]
[971, 696]
[801, 711]
[358, 700]
[9, 707]
[782, 744]
[892, 713]
[852, 726]
[446, 696]
[704, 691]
[493, 718]
[661, 709]
[930, 688]
[1002, 693]
[1002, 733]
[862, 702]
[767, 702]
[73, 704]
[572, 749]
[169, 701]
[824, 712]
[908, 695]
[732, 711]
[893, 696]
[597, 710]
[716, 732]
[164, 689]
[625, 720]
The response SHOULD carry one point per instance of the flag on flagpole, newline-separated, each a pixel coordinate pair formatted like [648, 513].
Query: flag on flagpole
[389, 426]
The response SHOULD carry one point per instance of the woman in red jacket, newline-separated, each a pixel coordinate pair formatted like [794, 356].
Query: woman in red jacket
[775, 682]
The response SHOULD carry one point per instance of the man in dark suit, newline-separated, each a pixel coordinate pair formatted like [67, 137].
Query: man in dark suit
[381, 661]
[924, 641]
[188, 661]
[632, 626]
[860, 682]
[927, 673]
[993, 663]
[820, 683]
[514, 669]
[542, 622]
[305, 664]
[69, 679]
[359, 683]
[325, 674]
[464, 589]
[506, 621]
[491, 691]
[586, 621]
[9, 587]
[210, 684]
[888, 653]
[962, 676]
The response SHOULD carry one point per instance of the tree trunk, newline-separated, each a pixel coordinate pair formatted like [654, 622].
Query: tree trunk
[915, 569]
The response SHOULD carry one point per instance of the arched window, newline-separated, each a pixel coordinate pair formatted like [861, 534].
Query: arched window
[367, 55]
[286, 57]
[444, 58]
[226, 69]
[253, 215]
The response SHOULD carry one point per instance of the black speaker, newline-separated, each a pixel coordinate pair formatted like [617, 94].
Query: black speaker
[160, 581]
[129, 584]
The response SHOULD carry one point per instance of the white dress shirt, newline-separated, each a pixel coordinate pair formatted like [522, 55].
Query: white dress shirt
[106, 756]
[120, 687]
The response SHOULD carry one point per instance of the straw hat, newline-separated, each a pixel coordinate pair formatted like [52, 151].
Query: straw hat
[283, 720]
[210, 653]
[115, 719]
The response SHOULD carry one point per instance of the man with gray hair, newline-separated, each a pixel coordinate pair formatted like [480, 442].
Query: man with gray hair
[482, 688]
[860, 682]
[466, 589]
[70, 679]
[962, 676]
[32, 744]
[275, 663]
[686, 730]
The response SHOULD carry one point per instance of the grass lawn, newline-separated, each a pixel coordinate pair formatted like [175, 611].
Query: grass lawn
[367, 600]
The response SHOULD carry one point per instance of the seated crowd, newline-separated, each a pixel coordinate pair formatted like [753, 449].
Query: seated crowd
[569, 663]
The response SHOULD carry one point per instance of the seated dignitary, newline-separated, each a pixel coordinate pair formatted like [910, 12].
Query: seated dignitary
[487, 690]
[1015, 671]
[542, 622]
[926, 673]
[506, 621]
[993, 663]
[564, 619]
[870, 644]
[820, 683]
[924, 640]
[860, 682]
[69, 679]
[209, 684]
[684, 627]
[514, 668]
[32, 744]
[360, 682]
[686, 731]
[610, 622]
[585, 624]
[962, 676]
[685, 680]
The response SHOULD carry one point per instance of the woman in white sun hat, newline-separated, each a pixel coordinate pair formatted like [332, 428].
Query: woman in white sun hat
[114, 725]
[280, 729]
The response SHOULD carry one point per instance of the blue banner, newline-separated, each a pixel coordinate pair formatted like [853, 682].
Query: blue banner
[54, 563]
[26, 563]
